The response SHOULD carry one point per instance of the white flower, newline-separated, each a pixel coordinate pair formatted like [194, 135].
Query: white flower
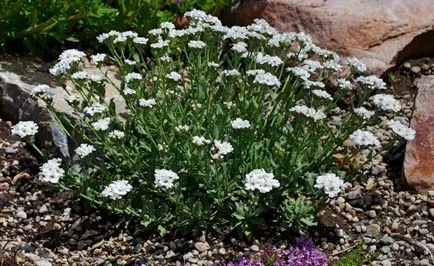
[129, 91]
[268, 59]
[230, 73]
[165, 178]
[239, 123]
[80, 75]
[254, 72]
[312, 65]
[402, 130]
[66, 59]
[200, 141]
[97, 78]
[333, 65]
[156, 32]
[116, 189]
[167, 25]
[140, 40]
[364, 138]
[213, 64]
[260, 180]
[196, 44]
[356, 64]
[309, 112]
[173, 33]
[101, 124]
[363, 112]
[43, 91]
[299, 72]
[175, 76]
[182, 128]
[308, 84]
[132, 76]
[160, 44]
[130, 62]
[147, 102]
[84, 150]
[104, 36]
[344, 84]
[166, 58]
[331, 184]
[372, 82]
[96, 108]
[98, 58]
[116, 134]
[266, 78]
[239, 47]
[223, 148]
[322, 94]
[386, 102]
[71, 98]
[24, 129]
[51, 171]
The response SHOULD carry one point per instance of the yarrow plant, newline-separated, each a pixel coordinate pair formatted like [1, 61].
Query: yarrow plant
[224, 129]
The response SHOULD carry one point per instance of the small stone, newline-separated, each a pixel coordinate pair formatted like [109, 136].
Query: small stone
[221, 251]
[386, 240]
[169, 254]
[395, 247]
[415, 69]
[42, 262]
[254, 248]
[43, 209]
[412, 208]
[187, 256]
[424, 231]
[373, 230]
[386, 263]
[201, 246]
[385, 249]
[21, 214]
[407, 65]
[431, 212]
[372, 214]
[424, 262]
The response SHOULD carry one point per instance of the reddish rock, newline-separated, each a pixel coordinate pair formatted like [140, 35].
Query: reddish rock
[379, 32]
[419, 155]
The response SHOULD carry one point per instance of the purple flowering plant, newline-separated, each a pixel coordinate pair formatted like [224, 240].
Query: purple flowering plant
[303, 253]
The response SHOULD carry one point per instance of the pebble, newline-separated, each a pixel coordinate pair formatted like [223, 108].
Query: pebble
[187, 256]
[373, 230]
[386, 240]
[254, 248]
[386, 263]
[169, 254]
[415, 69]
[431, 212]
[201, 246]
[20, 214]
[221, 251]
[372, 214]
[385, 249]
[424, 262]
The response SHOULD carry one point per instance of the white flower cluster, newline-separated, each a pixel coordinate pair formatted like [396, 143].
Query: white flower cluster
[372, 82]
[330, 183]
[266, 78]
[160, 44]
[223, 148]
[116, 189]
[147, 102]
[132, 76]
[402, 130]
[182, 128]
[239, 47]
[230, 73]
[309, 112]
[239, 123]
[116, 134]
[323, 94]
[262, 181]
[268, 59]
[67, 59]
[165, 178]
[363, 112]
[386, 102]
[196, 44]
[364, 138]
[308, 84]
[97, 58]
[24, 129]
[356, 64]
[80, 75]
[43, 91]
[101, 124]
[95, 108]
[84, 150]
[51, 171]
[344, 84]
[299, 72]
[200, 141]
[175, 76]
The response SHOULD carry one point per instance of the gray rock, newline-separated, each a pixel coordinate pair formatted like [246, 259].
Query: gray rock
[386, 263]
[201, 246]
[373, 230]
[20, 214]
[385, 249]
[386, 240]
[415, 69]
[372, 214]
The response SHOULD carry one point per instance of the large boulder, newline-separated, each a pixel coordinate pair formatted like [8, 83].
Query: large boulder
[380, 32]
[419, 155]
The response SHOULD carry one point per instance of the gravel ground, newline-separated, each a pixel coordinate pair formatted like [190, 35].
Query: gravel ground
[41, 226]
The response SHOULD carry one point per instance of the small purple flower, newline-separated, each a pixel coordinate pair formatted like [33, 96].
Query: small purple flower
[302, 253]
